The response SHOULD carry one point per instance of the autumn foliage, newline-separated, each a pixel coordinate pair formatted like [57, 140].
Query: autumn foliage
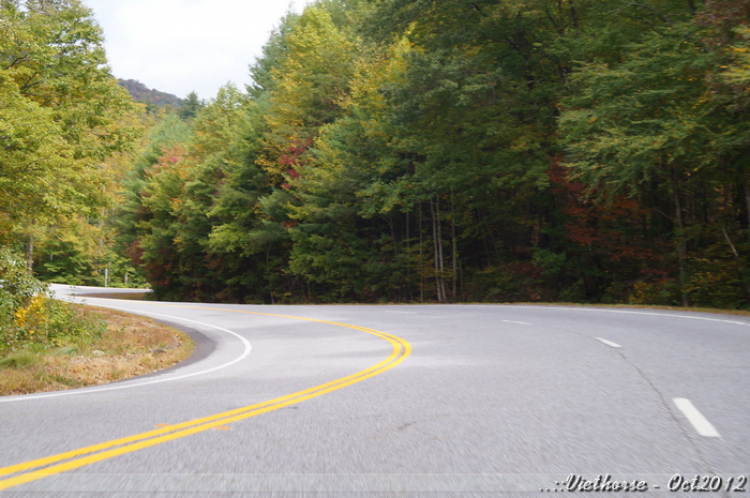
[432, 151]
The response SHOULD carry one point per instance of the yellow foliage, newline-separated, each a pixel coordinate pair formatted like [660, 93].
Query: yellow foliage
[33, 314]
[311, 85]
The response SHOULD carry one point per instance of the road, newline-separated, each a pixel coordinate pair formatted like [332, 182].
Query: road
[410, 400]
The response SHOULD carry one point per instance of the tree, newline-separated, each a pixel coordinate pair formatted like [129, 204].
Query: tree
[646, 127]
[38, 170]
[469, 150]
[62, 115]
[308, 85]
[190, 106]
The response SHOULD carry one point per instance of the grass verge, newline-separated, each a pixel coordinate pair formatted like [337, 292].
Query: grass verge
[130, 346]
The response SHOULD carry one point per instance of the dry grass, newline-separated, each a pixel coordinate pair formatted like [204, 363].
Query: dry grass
[132, 346]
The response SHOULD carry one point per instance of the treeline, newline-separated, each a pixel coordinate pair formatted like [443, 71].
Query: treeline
[421, 150]
[66, 129]
[398, 150]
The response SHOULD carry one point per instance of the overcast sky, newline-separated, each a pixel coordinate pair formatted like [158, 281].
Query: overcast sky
[179, 46]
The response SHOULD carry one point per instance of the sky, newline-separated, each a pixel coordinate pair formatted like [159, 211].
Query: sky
[179, 46]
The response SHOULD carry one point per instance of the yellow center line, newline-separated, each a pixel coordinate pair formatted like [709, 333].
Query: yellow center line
[91, 454]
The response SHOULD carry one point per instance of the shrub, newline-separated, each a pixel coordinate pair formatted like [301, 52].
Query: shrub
[30, 317]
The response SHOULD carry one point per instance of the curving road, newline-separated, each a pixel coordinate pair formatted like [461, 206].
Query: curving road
[420, 400]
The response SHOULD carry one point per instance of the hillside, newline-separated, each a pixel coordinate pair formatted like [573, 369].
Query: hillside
[142, 93]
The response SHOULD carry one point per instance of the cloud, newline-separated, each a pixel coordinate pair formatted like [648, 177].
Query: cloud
[178, 46]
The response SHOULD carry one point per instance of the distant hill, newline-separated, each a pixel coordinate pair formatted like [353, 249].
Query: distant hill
[142, 93]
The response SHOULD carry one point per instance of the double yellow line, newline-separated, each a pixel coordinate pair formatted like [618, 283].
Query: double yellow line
[63, 462]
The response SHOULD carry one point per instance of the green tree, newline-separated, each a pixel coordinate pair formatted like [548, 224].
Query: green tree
[62, 115]
[190, 106]
[646, 127]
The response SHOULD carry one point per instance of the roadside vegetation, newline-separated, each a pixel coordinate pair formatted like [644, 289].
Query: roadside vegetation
[49, 345]
[466, 151]
[587, 151]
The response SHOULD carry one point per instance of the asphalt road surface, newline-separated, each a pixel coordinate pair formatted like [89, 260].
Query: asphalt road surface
[418, 400]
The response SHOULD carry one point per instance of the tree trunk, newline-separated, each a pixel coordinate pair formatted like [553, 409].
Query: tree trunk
[409, 296]
[681, 249]
[421, 277]
[454, 250]
[736, 255]
[574, 15]
[731, 244]
[394, 242]
[270, 275]
[440, 252]
[435, 256]
[437, 246]
[30, 254]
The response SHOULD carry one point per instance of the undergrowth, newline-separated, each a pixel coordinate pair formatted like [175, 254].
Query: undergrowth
[48, 345]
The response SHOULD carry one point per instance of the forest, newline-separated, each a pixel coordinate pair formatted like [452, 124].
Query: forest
[580, 151]
[154, 98]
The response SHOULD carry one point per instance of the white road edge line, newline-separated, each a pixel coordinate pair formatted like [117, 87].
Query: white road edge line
[98, 389]
[696, 418]
[735, 322]
[608, 343]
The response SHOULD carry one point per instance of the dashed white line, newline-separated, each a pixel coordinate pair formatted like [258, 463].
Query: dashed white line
[701, 424]
[513, 321]
[608, 343]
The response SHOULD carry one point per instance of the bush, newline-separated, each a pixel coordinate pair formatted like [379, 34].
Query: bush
[17, 286]
[30, 317]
